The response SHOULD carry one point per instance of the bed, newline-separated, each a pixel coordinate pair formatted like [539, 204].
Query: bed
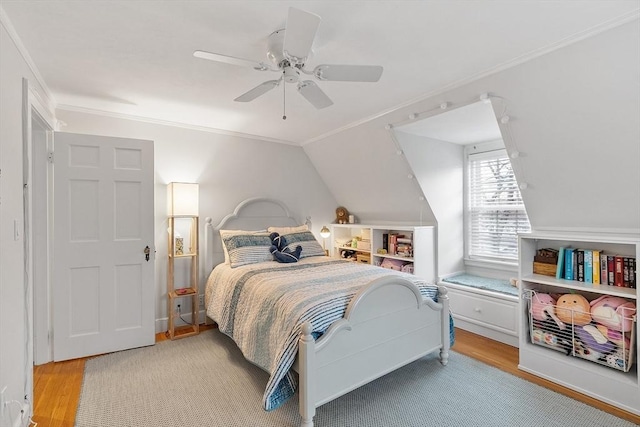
[320, 326]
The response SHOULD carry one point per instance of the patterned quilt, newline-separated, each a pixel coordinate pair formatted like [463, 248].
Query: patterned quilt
[262, 308]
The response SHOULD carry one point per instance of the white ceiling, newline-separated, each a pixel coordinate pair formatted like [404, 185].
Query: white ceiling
[135, 57]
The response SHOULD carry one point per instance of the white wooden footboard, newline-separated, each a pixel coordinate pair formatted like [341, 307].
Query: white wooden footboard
[387, 325]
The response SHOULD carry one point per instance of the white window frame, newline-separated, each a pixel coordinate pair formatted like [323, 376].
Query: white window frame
[490, 149]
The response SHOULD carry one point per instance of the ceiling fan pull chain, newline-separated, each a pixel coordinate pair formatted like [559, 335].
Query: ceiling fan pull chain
[284, 100]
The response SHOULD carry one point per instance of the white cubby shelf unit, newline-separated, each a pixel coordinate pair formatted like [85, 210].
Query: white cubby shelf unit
[613, 386]
[422, 258]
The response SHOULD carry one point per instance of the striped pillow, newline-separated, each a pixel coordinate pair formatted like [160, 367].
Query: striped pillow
[246, 247]
[306, 239]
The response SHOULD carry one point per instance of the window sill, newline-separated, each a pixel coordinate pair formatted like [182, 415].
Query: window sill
[510, 267]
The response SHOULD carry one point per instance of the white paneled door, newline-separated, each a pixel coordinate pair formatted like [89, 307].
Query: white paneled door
[103, 283]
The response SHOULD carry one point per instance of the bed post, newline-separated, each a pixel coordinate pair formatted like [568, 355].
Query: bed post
[306, 365]
[443, 299]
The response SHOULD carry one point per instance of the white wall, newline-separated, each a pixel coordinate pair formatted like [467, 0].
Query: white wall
[14, 360]
[229, 170]
[438, 168]
[367, 176]
[574, 119]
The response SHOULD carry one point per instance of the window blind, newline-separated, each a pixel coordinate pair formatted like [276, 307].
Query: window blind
[496, 212]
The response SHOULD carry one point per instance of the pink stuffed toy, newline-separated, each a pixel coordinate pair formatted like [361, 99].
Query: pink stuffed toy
[613, 312]
[543, 305]
[616, 337]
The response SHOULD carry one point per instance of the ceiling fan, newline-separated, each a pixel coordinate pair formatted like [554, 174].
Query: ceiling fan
[289, 49]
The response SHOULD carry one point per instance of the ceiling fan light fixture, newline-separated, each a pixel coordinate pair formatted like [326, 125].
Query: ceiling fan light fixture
[291, 74]
[289, 49]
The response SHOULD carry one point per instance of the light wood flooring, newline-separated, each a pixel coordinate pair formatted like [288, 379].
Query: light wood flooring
[57, 385]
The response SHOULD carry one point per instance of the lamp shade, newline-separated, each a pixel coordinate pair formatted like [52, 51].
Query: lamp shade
[324, 232]
[182, 199]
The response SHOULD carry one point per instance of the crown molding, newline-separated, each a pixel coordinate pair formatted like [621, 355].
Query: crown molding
[79, 109]
[46, 97]
[567, 41]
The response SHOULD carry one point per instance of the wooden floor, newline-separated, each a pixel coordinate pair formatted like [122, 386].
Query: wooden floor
[57, 385]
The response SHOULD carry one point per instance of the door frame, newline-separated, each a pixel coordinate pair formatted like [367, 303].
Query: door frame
[38, 327]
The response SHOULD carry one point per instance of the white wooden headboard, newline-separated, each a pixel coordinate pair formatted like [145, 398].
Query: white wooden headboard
[256, 213]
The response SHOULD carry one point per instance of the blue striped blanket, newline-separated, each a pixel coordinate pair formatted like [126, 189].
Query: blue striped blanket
[262, 308]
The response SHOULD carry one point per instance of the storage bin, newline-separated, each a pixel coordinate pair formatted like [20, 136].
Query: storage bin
[364, 245]
[364, 258]
[583, 336]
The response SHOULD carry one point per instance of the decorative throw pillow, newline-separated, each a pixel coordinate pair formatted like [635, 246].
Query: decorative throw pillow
[306, 239]
[245, 247]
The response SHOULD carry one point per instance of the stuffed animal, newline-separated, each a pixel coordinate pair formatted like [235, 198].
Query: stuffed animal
[586, 352]
[616, 337]
[573, 309]
[613, 312]
[616, 360]
[594, 340]
[537, 336]
[543, 305]
[347, 254]
[280, 251]
[555, 337]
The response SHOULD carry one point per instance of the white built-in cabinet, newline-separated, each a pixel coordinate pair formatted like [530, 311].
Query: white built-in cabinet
[490, 314]
[617, 386]
[368, 242]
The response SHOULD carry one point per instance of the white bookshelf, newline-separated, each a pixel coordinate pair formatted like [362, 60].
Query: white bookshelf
[423, 257]
[616, 387]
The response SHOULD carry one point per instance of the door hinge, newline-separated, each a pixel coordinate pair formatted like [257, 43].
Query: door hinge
[50, 156]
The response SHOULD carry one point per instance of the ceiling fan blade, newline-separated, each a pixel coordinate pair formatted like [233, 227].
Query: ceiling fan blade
[257, 91]
[312, 92]
[260, 66]
[348, 73]
[299, 35]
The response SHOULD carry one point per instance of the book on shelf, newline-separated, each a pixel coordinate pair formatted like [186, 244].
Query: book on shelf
[560, 265]
[579, 267]
[629, 273]
[618, 274]
[611, 269]
[588, 265]
[568, 263]
[621, 271]
[604, 276]
[392, 243]
[596, 266]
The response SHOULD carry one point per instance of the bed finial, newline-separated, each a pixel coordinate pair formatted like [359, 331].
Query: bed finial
[208, 221]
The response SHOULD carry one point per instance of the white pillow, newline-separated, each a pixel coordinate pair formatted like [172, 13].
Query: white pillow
[287, 230]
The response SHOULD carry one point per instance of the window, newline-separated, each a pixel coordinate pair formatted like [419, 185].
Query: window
[495, 211]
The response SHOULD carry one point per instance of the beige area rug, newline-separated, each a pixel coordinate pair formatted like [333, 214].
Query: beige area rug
[205, 381]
